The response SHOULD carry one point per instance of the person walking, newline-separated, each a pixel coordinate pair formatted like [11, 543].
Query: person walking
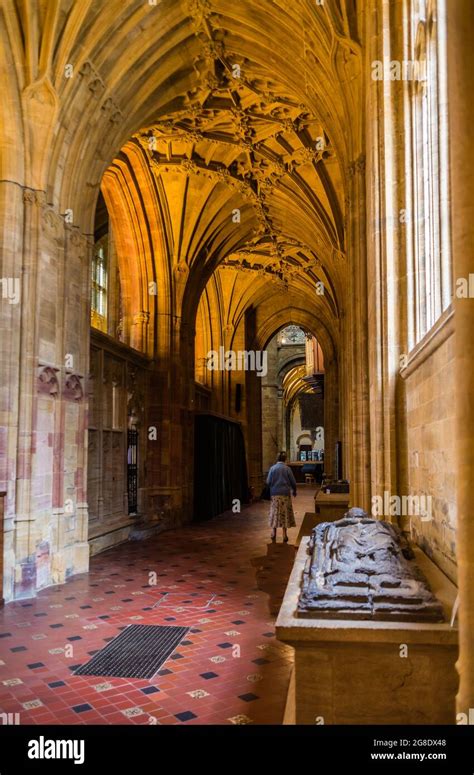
[281, 482]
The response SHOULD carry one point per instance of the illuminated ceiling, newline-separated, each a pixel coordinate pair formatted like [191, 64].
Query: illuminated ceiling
[294, 383]
[255, 106]
[268, 165]
[245, 172]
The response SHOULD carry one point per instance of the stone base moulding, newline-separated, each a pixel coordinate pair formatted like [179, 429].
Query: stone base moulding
[363, 672]
[101, 539]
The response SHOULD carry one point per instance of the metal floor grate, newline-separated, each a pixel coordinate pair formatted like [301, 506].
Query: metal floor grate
[138, 652]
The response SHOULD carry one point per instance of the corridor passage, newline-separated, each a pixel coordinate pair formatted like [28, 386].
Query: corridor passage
[222, 578]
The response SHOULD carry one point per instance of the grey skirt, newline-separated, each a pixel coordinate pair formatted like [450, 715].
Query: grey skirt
[281, 512]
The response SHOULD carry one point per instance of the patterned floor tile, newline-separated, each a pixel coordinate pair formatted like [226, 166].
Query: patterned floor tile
[222, 578]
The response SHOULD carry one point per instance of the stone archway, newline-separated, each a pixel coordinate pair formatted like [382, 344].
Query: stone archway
[94, 76]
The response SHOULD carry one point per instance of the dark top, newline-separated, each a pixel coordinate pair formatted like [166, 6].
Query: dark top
[280, 479]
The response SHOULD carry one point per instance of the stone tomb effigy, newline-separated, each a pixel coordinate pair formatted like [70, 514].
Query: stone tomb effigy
[368, 617]
[363, 568]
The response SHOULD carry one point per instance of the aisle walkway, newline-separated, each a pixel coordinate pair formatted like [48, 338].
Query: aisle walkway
[222, 578]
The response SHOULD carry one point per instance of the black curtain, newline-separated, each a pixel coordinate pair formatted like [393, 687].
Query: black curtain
[312, 411]
[220, 468]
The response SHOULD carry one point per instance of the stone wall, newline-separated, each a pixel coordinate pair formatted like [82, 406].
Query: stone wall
[431, 443]
[300, 435]
[44, 403]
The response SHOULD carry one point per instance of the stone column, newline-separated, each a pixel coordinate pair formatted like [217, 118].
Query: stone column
[139, 331]
[460, 21]
[47, 514]
[331, 414]
[356, 340]
[253, 392]
[281, 418]
[270, 409]
[15, 274]
[388, 146]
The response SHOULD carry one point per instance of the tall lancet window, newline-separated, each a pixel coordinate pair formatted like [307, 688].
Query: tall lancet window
[431, 276]
[99, 284]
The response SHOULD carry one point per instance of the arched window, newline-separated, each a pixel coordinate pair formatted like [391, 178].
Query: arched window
[431, 277]
[99, 284]
[106, 297]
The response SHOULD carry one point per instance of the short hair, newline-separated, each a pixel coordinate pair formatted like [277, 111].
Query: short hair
[282, 457]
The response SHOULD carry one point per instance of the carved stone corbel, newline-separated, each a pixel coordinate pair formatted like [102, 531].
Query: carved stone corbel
[47, 381]
[52, 223]
[73, 389]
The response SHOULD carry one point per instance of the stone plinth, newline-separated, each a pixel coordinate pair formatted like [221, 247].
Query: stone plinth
[331, 506]
[364, 672]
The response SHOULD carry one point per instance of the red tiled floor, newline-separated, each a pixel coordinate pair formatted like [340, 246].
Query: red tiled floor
[222, 578]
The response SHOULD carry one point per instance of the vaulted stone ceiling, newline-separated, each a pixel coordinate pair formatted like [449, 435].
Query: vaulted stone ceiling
[141, 61]
[219, 106]
[267, 166]
[294, 383]
[244, 173]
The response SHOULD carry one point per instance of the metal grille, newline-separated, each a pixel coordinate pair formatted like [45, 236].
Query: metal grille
[132, 471]
[138, 652]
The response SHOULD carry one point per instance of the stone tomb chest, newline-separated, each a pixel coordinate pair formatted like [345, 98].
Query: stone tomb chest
[368, 617]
